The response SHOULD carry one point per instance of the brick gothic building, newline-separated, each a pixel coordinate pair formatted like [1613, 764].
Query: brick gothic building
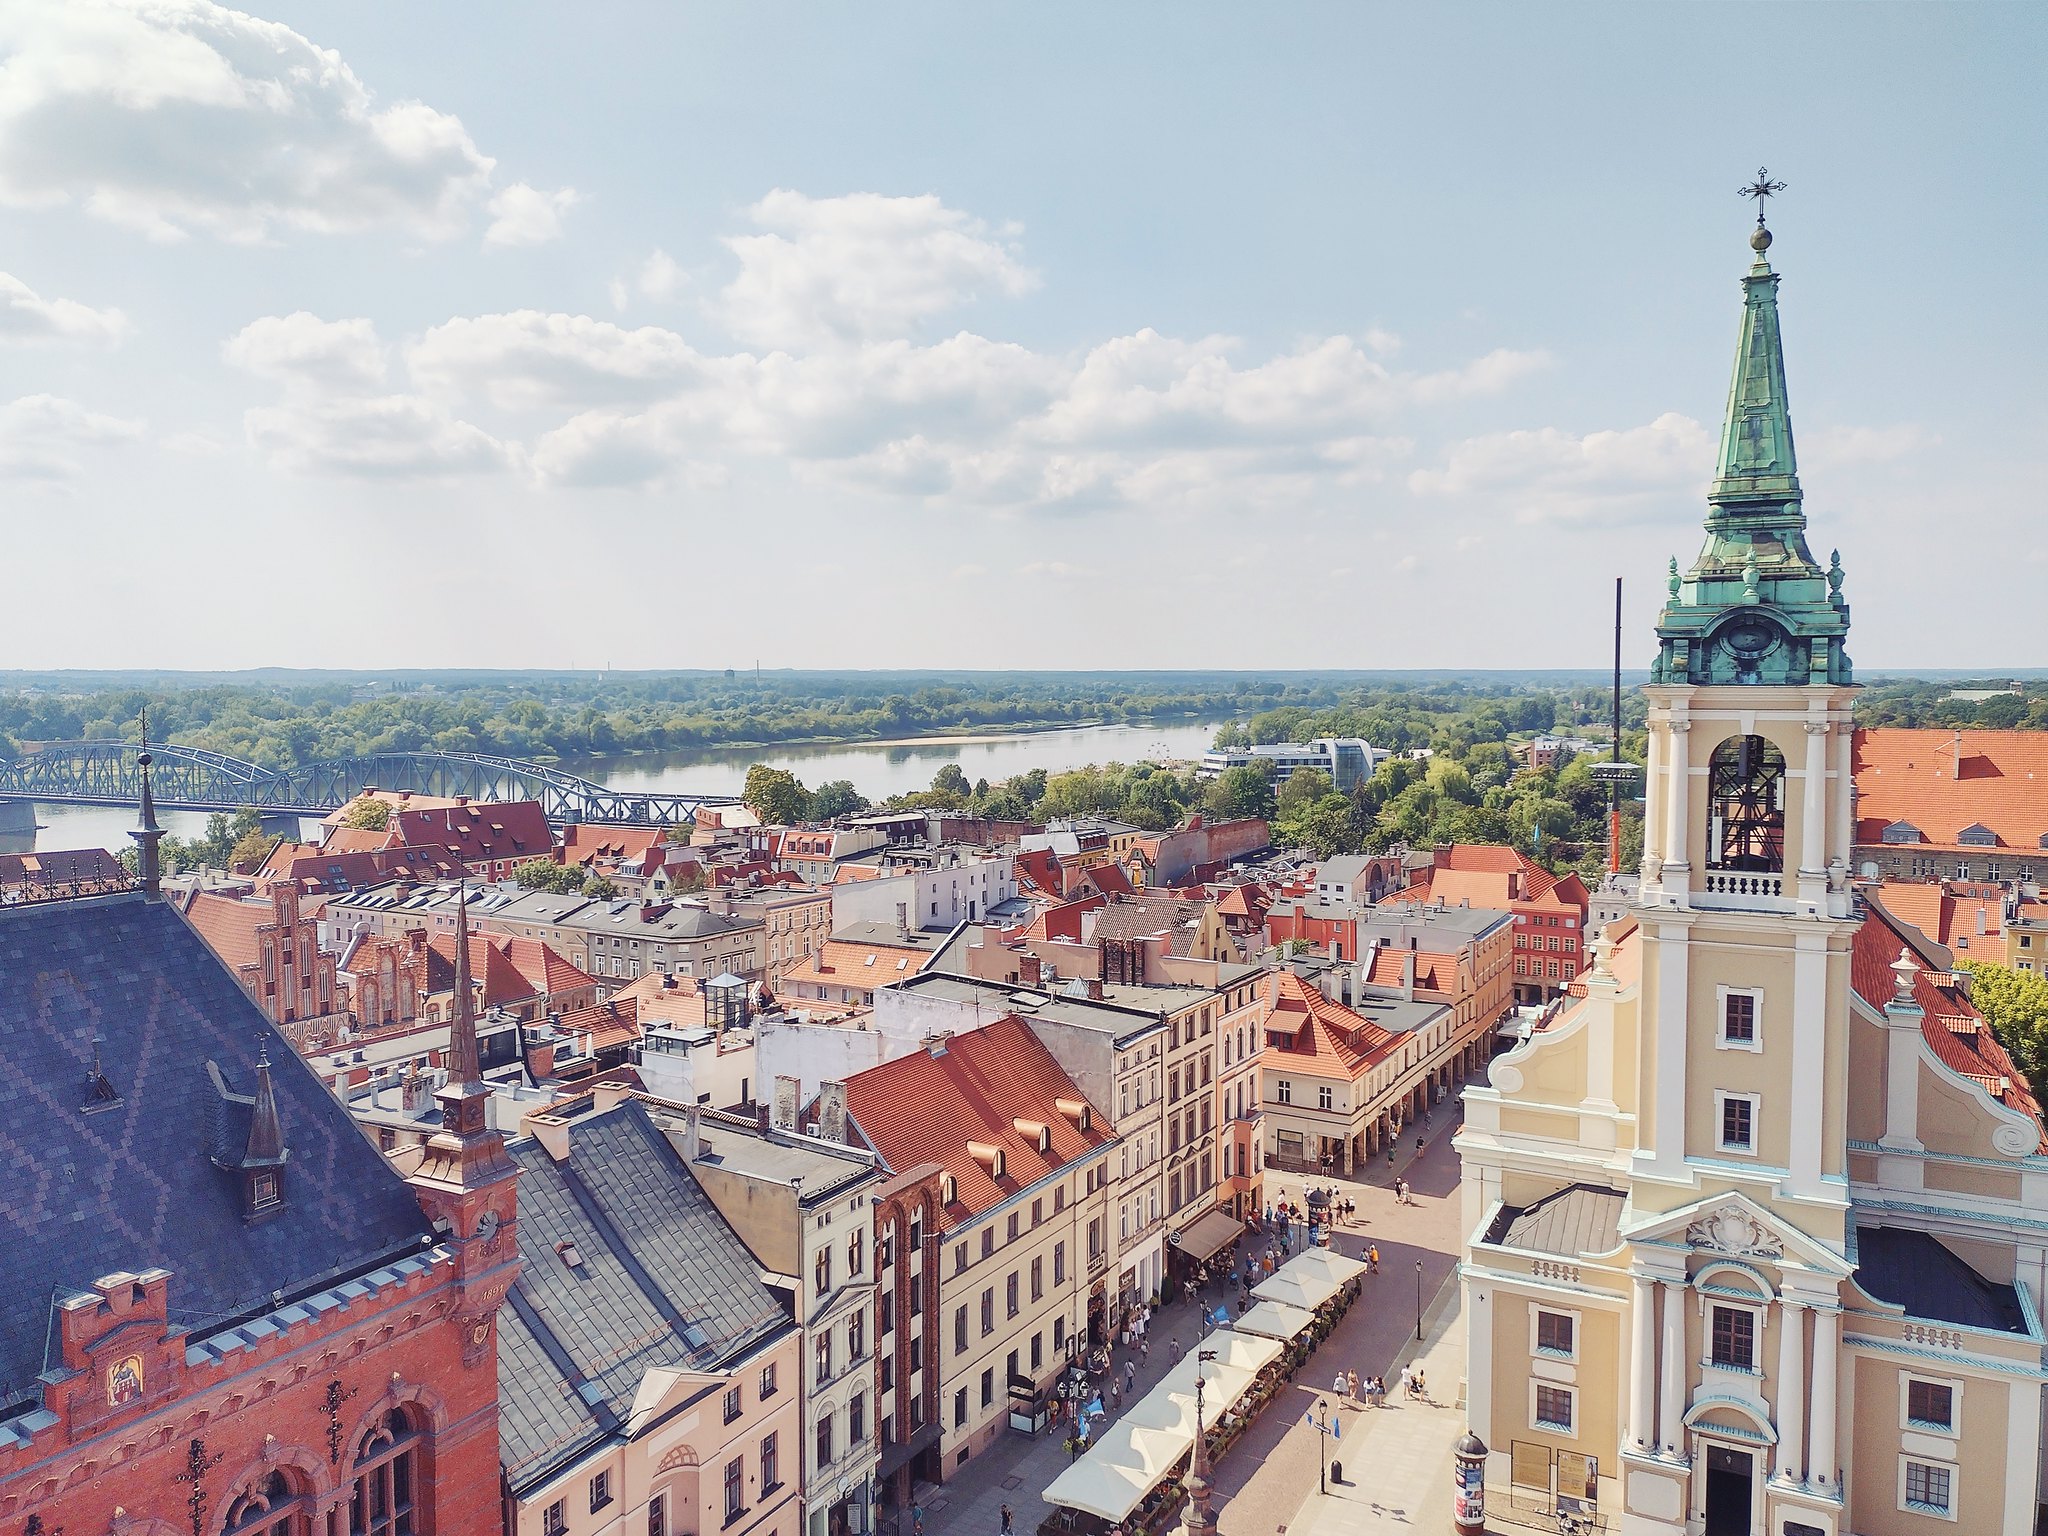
[221, 1312]
[908, 1219]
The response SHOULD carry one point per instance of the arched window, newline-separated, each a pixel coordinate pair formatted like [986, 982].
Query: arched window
[1746, 805]
[271, 1508]
[387, 1480]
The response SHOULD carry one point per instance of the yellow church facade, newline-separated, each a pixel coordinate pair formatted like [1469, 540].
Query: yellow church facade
[1758, 1223]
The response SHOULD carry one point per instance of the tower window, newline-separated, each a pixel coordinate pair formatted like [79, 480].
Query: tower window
[1738, 1121]
[1746, 805]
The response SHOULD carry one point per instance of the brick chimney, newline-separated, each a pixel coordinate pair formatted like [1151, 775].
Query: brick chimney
[1442, 856]
[1030, 969]
[1094, 989]
[788, 1091]
[832, 1112]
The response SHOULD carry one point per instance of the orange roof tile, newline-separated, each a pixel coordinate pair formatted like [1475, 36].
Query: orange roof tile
[942, 1106]
[1954, 1030]
[1944, 781]
[229, 924]
[1310, 1030]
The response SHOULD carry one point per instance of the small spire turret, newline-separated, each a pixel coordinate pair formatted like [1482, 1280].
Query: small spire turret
[147, 834]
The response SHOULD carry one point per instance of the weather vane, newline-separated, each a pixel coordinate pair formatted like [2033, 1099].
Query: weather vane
[1760, 189]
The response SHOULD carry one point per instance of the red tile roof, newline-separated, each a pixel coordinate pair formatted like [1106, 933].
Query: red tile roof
[609, 1024]
[229, 924]
[1433, 972]
[1951, 913]
[1944, 781]
[1309, 1031]
[942, 1108]
[511, 970]
[1955, 1031]
[583, 843]
[481, 830]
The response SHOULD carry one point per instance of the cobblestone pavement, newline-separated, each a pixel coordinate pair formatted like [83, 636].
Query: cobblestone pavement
[1264, 1480]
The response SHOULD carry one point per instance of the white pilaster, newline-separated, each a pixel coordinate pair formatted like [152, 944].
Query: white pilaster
[1813, 814]
[1671, 1404]
[1479, 1358]
[1677, 805]
[2022, 1435]
[1653, 826]
[1674, 957]
[1821, 1458]
[1805, 1115]
[1642, 1367]
[1791, 1386]
[1844, 836]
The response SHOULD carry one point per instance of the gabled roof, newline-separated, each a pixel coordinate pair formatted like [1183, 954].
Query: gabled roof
[581, 844]
[480, 830]
[509, 970]
[1433, 972]
[139, 1190]
[1146, 916]
[1577, 1221]
[933, 1105]
[661, 1280]
[1944, 781]
[1307, 1031]
[1952, 914]
[229, 924]
[1914, 1270]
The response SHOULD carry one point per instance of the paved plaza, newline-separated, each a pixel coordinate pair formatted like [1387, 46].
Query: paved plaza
[1266, 1483]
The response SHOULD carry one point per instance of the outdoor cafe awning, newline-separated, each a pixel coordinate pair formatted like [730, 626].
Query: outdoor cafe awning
[1274, 1320]
[1208, 1236]
[1135, 1454]
[1128, 1462]
[1309, 1279]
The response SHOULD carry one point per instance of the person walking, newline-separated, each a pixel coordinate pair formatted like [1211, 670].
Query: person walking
[1131, 1374]
[1353, 1376]
[1176, 1351]
[1341, 1385]
[1008, 1528]
[1372, 1259]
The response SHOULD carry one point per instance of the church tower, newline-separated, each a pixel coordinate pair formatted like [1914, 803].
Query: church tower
[1753, 1239]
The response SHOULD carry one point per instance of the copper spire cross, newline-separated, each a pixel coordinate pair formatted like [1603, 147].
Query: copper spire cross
[1760, 189]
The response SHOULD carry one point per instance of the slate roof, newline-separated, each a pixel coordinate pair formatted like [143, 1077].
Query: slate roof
[1915, 1271]
[658, 1261]
[1578, 1220]
[130, 1187]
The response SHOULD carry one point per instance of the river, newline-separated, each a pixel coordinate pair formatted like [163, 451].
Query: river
[876, 769]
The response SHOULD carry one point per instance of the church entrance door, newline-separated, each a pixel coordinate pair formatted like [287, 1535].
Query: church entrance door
[1729, 1502]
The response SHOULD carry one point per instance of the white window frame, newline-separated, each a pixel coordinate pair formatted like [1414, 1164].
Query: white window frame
[1955, 1473]
[1569, 1431]
[1950, 1431]
[1756, 998]
[1755, 1309]
[1537, 1351]
[1755, 1101]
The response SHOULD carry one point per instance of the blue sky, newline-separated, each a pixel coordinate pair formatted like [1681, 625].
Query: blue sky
[508, 334]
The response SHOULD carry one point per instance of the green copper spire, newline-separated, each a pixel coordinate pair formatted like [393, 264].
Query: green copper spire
[1755, 607]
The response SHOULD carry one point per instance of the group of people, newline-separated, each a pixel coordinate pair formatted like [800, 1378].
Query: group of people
[1371, 1391]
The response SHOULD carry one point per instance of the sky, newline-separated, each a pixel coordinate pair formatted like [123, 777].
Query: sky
[497, 333]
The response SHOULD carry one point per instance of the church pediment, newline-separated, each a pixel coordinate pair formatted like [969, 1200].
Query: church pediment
[1733, 1226]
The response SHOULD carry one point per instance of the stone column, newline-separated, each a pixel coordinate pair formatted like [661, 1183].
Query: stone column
[1791, 1390]
[1679, 812]
[1821, 1458]
[1642, 1367]
[1813, 858]
[1671, 1409]
[1844, 836]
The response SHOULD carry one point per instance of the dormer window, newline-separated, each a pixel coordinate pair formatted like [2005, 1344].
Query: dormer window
[1977, 835]
[264, 1192]
[1901, 832]
[1746, 806]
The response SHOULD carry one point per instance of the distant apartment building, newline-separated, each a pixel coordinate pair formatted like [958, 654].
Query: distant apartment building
[1550, 911]
[1346, 759]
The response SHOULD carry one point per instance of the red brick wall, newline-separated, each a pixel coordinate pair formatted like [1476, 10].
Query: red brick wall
[262, 1408]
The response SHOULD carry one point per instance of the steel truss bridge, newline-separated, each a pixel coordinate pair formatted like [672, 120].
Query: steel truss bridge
[192, 779]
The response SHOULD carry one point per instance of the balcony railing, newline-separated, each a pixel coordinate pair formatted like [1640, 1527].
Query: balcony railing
[1741, 882]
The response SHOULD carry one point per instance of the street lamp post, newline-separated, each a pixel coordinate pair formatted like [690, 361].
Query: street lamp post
[1327, 1429]
[1418, 1301]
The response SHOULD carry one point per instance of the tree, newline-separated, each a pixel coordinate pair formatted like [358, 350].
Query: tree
[371, 815]
[690, 879]
[1303, 788]
[775, 795]
[951, 780]
[835, 798]
[2015, 1004]
[1241, 791]
[680, 834]
[250, 851]
[599, 887]
[547, 875]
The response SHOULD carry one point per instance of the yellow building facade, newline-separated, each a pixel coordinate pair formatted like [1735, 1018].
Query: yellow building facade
[1756, 1229]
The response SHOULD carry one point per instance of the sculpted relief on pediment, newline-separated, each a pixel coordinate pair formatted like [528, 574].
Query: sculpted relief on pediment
[1732, 1230]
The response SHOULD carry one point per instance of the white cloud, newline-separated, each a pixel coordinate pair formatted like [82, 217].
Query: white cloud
[26, 316]
[195, 444]
[1840, 447]
[1408, 565]
[861, 267]
[42, 436]
[527, 359]
[377, 437]
[661, 277]
[304, 351]
[523, 215]
[181, 115]
[1056, 568]
[1547, 475]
